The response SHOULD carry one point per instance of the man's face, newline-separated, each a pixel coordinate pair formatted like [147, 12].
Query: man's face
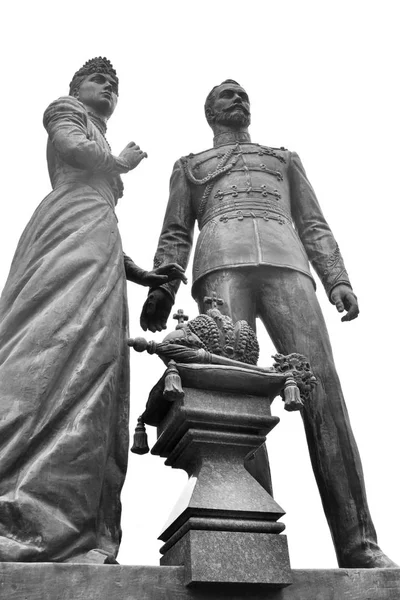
[231, 106]
[99, 91]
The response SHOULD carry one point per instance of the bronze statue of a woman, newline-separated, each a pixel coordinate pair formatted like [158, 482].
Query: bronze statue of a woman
[64, 371]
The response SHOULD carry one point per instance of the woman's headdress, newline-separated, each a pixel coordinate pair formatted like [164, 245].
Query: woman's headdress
[94, 65]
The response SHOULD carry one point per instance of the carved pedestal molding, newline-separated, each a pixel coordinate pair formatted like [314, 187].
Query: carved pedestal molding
[225, 527]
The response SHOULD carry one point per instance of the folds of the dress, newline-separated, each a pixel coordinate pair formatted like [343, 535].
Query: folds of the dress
[64, 382]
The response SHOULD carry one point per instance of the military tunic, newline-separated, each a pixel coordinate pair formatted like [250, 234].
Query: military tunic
[261, 210]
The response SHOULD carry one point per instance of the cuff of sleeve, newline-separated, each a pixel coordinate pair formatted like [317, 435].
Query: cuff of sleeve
[167, 288]
[342, 281]
[133, 272]
[122, 165]
[333, 273]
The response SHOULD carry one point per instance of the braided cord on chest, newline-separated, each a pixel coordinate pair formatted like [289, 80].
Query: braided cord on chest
[209, 179]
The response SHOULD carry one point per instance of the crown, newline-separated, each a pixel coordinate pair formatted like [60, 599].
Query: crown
[217, 333]
[99, 64]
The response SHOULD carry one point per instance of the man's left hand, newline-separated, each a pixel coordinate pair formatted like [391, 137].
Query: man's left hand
[345, 299]
[163, 275]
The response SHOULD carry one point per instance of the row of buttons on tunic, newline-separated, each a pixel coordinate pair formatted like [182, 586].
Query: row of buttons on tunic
[240, 215]
[235, 191]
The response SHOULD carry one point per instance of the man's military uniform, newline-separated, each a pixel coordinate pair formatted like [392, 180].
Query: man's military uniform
[260, 225]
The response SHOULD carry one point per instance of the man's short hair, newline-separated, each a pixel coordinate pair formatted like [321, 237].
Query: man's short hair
[211, 96]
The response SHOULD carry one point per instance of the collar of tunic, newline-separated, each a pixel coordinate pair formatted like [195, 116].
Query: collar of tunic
[231, 137]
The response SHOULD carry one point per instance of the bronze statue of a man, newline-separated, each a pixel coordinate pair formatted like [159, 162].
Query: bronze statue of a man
[64, 370]
[260, 225]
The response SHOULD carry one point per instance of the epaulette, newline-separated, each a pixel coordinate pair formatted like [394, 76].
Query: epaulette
[275, 152]
[282, 148]
[192, 154]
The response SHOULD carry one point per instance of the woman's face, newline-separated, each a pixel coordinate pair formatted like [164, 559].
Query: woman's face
[99, 91]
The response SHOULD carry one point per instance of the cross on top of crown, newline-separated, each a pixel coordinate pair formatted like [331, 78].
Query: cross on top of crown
[213, 300]
[180, 317]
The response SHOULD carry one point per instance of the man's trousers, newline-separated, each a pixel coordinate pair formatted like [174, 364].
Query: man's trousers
[286, 303]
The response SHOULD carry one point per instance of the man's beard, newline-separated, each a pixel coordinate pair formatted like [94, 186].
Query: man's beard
[237, 118]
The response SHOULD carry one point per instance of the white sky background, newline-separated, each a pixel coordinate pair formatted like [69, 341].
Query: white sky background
[322, 79]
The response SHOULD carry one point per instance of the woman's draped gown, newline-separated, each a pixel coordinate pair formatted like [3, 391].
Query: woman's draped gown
[64, 370]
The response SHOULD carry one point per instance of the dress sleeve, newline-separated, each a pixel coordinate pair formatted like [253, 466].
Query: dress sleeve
[314, 232]
[65, 120]
[132, 271]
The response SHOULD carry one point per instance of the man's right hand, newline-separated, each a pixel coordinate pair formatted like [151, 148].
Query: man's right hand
[132, 155]
[156, 310]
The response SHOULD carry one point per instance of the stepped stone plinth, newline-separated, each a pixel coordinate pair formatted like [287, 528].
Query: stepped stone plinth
[225, 527]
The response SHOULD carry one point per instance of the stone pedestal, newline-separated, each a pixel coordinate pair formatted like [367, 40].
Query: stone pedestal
[224, 528]
[47, 581]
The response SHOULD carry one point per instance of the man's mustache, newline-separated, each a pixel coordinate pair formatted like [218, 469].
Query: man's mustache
[236, 107]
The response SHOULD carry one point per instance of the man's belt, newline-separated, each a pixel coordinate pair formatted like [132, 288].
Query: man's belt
[252, 207]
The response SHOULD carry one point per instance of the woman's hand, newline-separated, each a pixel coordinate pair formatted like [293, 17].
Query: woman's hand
[132, 155]
[163, 275]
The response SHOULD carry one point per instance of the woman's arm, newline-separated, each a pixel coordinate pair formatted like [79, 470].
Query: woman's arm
[65, 121]
[153, 278]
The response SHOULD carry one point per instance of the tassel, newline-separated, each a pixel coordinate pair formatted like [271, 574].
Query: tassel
[172, 383]
[291, 395]
[140, 443]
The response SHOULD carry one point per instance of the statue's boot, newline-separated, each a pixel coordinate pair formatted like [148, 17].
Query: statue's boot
[369, 559]
[365, 555]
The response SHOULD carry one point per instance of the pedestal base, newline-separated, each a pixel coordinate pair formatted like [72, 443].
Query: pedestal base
[47, 581]
[231, 557]
[225, 527]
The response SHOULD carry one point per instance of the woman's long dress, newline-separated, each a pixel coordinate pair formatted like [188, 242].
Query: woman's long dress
[64, 371]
